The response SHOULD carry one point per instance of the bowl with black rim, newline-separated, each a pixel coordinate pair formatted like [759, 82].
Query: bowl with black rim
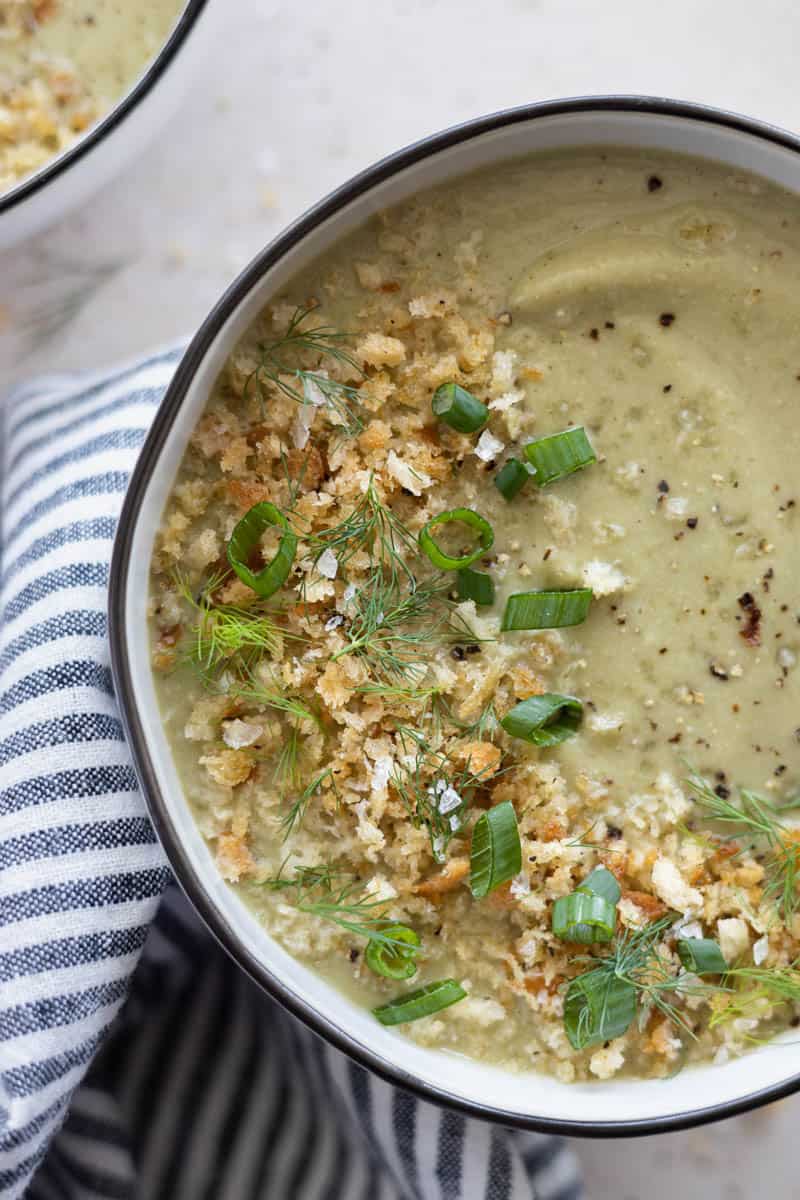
[620, 1107]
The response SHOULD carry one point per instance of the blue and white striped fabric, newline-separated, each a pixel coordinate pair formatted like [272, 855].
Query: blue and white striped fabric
[180, 1080]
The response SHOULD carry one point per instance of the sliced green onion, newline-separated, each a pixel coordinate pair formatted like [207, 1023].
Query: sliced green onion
[246, 538]
[496, 853]
[584, 917]
[425, 1000]
[601, 882]
[559, 455]
[701, 955]
[546, 610]
[459, 408]
[511, 478]
[395, 959]
[598, 1007]
[589, 913]
[545, 720]
[475, 585]
[467, 517]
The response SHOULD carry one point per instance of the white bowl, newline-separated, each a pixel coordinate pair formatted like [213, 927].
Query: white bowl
[621, 1107]
[69, 178]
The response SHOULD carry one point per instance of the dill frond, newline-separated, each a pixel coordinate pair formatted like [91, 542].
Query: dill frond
[782, 983]
[400, 692]
[293, 818]
[399, 610]
[396, 613]
[293, 482]
[336, 895]
[225, 635]
[286, 770]
[635, 959]
[260, 693]
[312, 385]
[393, 628]
[756, 823]
[486, 722]
[374, 527]
[582, 842]
[763, 986]
[427, 782]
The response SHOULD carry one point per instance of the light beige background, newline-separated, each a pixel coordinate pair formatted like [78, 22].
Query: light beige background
[298, 97]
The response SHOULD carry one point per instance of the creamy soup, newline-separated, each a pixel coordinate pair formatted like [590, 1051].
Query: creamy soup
[63, 65]
[520, 780]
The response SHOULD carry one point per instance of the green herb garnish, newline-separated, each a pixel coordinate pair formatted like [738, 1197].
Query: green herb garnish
[459, 408]
[225, 634]
[395, 960]
[511, 478]
[701, 956]
[311, 385]
[559, 455]
[293, 818]
[601, 1003]
[475, 585]
[757, 825]
[336, 895]
[421, 1003]
[371, 526]
[462, 516]
[589, 914]
[245, 542]
[496, 853]
[546, 610]
[544, 720]
[759, 986]
[435, 791]
[393, 627]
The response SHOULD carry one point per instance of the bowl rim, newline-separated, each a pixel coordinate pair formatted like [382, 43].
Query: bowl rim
[56, 166]
[234, 295]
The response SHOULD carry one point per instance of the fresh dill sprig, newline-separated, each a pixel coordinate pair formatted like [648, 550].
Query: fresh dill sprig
[293, 482]
[486, 722]
[394, 614]
[405, 694]
[286, 770]
[581, 842]
[636, 960]
[335, 895]
[697, 838]
[311, 385]
[293, 818]
[757, 824]
[435, 791]
[763, 985]
[393, 627]
[225, 635]
[781, 982]
[257, 692]
[370, 526]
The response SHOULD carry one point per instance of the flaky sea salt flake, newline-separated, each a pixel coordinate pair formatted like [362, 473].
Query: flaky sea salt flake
[448, 800]
[328, 564]
[488, 447]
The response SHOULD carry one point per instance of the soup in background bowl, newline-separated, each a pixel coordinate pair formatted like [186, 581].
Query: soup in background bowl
[83, 87]
[65, 64]
[472, 622]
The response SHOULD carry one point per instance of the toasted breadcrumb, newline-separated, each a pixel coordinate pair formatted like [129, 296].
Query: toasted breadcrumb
[378, 350]
[228, 767]
[233, 857]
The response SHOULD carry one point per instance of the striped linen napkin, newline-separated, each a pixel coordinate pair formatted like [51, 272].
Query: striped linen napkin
[136, 1061]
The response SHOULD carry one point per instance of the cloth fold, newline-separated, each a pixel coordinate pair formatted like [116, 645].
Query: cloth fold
[136, 1061]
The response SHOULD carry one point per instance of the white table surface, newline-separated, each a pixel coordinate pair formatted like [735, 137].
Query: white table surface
[299, 97]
